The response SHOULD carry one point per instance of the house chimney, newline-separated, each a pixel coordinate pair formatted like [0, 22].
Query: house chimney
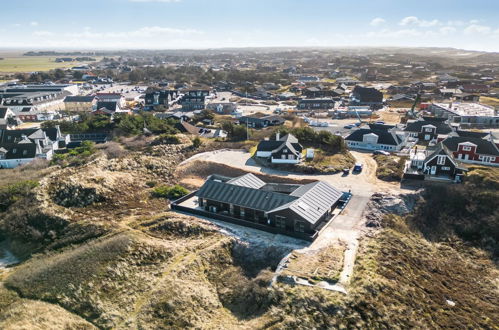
[277, 136]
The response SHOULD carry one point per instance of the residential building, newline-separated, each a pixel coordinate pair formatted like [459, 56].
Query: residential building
[473, 149]
[194, 99]
[79, 103]
[210, 133]
[8, 119]
[319, 92]
[427, 128]
[434, 163]
[376, 137]
[285, 150]
[467, 114]
[296, 210]
[156, 98]
[19, 147]
[366, 96]
[315, 104]
[112, 97]
[225, 108]
[261, 121]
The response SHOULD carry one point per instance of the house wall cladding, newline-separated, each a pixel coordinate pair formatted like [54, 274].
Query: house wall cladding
[272, 230]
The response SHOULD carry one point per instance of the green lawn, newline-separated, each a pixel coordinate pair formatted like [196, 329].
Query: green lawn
[20, 63]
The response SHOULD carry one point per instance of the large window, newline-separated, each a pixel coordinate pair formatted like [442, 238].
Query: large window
[300, 226]
[280, 222]
[441, 160]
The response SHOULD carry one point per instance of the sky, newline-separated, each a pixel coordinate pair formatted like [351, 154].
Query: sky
[200, 24]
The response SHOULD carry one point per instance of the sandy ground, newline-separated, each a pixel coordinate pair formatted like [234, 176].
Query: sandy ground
[346, 228]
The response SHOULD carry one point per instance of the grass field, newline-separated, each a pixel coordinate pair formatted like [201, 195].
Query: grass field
[19, 63]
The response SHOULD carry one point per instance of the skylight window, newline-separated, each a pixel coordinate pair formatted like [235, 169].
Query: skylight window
[303, 206]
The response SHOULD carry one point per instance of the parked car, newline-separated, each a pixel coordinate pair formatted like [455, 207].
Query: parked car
[350, 126]
[346, 171]
[381, 152]
[380, 122]
[357, 168]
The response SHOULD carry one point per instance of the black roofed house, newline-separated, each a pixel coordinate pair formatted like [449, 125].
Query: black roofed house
[285, 150]
[22, 146]
[366, 96]
[436, 163]
[8, 119]
[290, 209]
[255, 121]
[194, 99]
[427, 128]
[376, 137]
[156, 98]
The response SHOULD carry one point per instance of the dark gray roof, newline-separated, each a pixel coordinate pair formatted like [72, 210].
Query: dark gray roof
[416, 126]
[274, 145]
[310, 201]
[480, 135]
[109, 105]
[3, 112]
[484, 147]
[243, 196]
[20, 151]
[79, 98]
[384, 136]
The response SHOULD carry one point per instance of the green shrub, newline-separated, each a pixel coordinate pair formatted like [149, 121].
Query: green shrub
[167, 139]
[170, 192]
[11, 193]
[196, 142]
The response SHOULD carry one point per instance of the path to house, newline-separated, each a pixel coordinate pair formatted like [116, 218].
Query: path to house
[345, 228]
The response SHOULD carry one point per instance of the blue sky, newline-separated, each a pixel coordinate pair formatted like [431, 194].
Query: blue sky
[167, 24]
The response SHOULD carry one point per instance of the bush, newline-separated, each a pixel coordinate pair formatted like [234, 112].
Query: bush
[170, 192]
[11, 193]
[196, 142]
[167, 139]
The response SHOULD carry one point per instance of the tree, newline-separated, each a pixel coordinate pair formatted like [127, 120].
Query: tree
[196, 142]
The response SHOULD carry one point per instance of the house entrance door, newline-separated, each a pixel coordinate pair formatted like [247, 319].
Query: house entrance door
[433, 170]
[466, 157]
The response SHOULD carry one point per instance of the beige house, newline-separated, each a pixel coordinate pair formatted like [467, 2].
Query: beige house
[80, 103]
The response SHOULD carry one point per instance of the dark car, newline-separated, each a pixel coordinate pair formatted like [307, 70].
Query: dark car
[357, 168]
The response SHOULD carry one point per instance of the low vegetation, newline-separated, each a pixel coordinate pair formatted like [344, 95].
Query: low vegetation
[122, 125]
[170, 192]
[467, 211]
[390, 168]
[76, 156]
[11, 193]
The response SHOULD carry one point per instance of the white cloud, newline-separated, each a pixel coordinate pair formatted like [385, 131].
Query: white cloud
[143, 32]
[377, 21]
[43, 33]
[477, 29]
[33, 23]
[445, 30]
[413, 20]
